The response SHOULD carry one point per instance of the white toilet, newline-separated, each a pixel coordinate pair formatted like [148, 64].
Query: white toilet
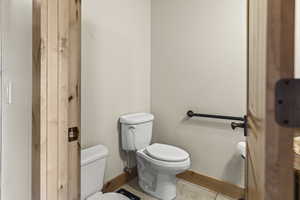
[93, 162]
[158, 164]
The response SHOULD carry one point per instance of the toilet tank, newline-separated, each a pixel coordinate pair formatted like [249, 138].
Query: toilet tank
[136, 131]
[93, 162]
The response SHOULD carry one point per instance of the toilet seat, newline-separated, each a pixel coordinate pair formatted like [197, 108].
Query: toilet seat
[107, 196]
[166, 152]
[180, 165]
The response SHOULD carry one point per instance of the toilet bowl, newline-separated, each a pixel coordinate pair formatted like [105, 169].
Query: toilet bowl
[93, 161]
[157, 164]
[157, 171]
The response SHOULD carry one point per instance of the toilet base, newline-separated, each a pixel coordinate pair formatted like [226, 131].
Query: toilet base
[157, 177]
[161, 186]
[156, 182]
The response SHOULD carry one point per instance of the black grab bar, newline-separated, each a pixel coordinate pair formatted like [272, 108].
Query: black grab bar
[234, 125]
[191, 113]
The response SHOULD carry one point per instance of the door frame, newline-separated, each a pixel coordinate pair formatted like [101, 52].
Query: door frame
[278, 157]
[56, 99]
[2, 14]
[50, 100]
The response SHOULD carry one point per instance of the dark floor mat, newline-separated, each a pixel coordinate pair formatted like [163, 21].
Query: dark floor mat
[128, 194]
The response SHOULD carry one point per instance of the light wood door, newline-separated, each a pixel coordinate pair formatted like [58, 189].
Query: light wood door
[270, 156]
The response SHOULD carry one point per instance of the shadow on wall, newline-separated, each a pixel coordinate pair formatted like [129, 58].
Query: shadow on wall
[233, 167]
[230, 173]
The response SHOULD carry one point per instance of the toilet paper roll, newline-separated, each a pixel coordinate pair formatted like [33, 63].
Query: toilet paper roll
[241, 148]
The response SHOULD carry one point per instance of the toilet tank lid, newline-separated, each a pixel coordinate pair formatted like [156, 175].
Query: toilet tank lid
[93, 154]
[136, 118]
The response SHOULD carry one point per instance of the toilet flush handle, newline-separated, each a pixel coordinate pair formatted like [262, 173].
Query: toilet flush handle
[132, 127]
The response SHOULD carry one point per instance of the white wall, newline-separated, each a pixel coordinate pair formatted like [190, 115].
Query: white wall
[16, 16]
[199, 63]
[115, 70]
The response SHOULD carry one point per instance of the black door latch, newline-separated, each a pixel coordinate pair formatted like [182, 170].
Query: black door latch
[243, 125]
[73, 134]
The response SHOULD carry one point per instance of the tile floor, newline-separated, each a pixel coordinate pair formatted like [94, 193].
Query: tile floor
[185, 191]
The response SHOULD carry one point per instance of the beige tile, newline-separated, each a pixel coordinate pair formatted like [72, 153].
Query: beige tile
[222, 197]
[135, 189]
[181, 183]
[189, 191]
[185, 191]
